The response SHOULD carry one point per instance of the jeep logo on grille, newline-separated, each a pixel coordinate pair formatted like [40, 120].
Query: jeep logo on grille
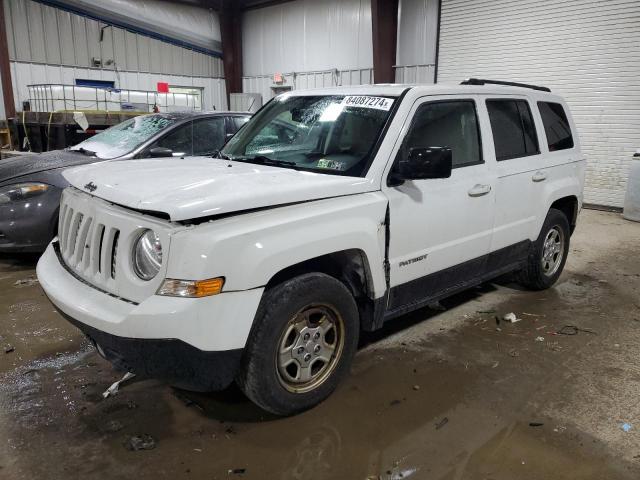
[92, 187]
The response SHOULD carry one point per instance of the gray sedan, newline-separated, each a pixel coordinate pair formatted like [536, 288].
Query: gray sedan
[30, 187]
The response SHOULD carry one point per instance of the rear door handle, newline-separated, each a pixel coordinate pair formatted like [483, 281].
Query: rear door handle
[479, 190]
[539, 176]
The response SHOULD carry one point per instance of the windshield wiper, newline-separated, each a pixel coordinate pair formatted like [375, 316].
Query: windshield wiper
[219, 154]
[264, 160]
[84, 151]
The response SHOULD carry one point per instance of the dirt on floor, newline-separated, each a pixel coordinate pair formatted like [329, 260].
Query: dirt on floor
[453, 394]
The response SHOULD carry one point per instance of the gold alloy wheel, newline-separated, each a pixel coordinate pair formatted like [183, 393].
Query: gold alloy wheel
[310, 348]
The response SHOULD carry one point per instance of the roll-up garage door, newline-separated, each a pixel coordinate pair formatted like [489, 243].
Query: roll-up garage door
[587, 51]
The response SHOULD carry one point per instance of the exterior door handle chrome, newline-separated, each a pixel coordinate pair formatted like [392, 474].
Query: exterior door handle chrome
[479, 190]
[539, 176]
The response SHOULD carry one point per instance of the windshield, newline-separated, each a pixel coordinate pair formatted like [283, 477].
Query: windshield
[124, 137]
[333, 134]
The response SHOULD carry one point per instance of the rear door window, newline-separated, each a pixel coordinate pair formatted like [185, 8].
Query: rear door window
[556, 126]
[208, 135]
[514, 134]
[238, 122]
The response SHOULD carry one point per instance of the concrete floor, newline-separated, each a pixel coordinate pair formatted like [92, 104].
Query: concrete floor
[437, 395]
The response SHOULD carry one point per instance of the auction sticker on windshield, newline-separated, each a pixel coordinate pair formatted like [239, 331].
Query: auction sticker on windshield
[364, 101]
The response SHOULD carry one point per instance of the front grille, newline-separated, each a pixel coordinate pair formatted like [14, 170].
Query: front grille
[96, 241]
[85, 245]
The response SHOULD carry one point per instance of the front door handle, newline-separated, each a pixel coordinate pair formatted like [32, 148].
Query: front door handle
[479, 190]
[539, 176]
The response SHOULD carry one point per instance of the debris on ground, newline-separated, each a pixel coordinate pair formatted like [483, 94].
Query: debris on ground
[26, 282]
[533, 314]
[442, 423]
[514, 353]
[511, 318]
[626, 427]
[140, 442]
[559, 429]
[416, 387]
[395, 402]
[9, 348]
[539, 339]
[113, 389]
[237, 471]
[485, 311]
[573, 330]
[536, 424]
[495, 364]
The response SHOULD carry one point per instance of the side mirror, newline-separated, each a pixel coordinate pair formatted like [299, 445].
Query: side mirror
[160, 152]
[423, 163]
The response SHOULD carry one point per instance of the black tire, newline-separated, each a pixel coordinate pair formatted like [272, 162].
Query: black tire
[261, 377]
[533, 275]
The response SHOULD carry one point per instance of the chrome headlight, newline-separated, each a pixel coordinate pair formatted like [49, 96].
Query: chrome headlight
[147, 255]
[21, 191]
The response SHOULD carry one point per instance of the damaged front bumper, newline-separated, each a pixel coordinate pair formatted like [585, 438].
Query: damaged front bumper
[170, 360]
[192, 343]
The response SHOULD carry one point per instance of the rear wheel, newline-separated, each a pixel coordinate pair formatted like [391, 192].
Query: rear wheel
[303, 340]
[548, 253]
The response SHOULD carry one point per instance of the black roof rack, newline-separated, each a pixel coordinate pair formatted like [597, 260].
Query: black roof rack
[482, 81]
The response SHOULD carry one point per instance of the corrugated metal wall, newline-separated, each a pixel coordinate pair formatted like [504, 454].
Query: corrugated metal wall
[49, 45]
[316, 43]
[417, 35]
[586, 50]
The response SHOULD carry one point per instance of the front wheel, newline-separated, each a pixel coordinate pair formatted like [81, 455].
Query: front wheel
[304, 337]
[548, 253]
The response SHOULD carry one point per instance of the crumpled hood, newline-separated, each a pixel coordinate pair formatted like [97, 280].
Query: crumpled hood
[196, 187]
[29, 164]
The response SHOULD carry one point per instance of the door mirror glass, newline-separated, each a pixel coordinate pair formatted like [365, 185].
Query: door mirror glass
[160, 152]
[422, 163]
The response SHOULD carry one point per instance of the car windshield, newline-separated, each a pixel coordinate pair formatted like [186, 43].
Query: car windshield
[124, 137]
[334, 134]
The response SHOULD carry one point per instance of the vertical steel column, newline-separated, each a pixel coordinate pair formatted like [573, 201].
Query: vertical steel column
[384, 19]
[5, 68]
[231, 30]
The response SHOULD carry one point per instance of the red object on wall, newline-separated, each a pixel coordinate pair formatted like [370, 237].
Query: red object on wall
[163, 87]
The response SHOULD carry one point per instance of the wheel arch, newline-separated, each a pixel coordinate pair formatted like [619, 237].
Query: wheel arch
[569, 207]
[351, 267]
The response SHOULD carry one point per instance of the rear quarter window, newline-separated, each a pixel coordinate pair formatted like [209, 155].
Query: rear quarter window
[556, 126]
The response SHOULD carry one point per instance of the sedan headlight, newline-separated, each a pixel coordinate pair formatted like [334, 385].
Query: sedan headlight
[147, 255]
[21, 191]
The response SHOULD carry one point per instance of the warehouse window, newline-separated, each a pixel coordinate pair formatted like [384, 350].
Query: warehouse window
[556, 126]
[514, 134]
[452, 124]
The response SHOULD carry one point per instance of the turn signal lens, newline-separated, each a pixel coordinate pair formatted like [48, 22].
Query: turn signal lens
[191, 288]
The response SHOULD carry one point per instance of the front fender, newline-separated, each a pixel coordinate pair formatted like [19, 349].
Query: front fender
[249, 249]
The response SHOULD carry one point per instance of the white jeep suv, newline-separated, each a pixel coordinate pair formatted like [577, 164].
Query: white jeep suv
[331, 212]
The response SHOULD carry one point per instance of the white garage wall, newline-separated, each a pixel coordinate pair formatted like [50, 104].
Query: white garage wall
[417, 35]
[586, 50]
[49, 45]
[316, 43]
